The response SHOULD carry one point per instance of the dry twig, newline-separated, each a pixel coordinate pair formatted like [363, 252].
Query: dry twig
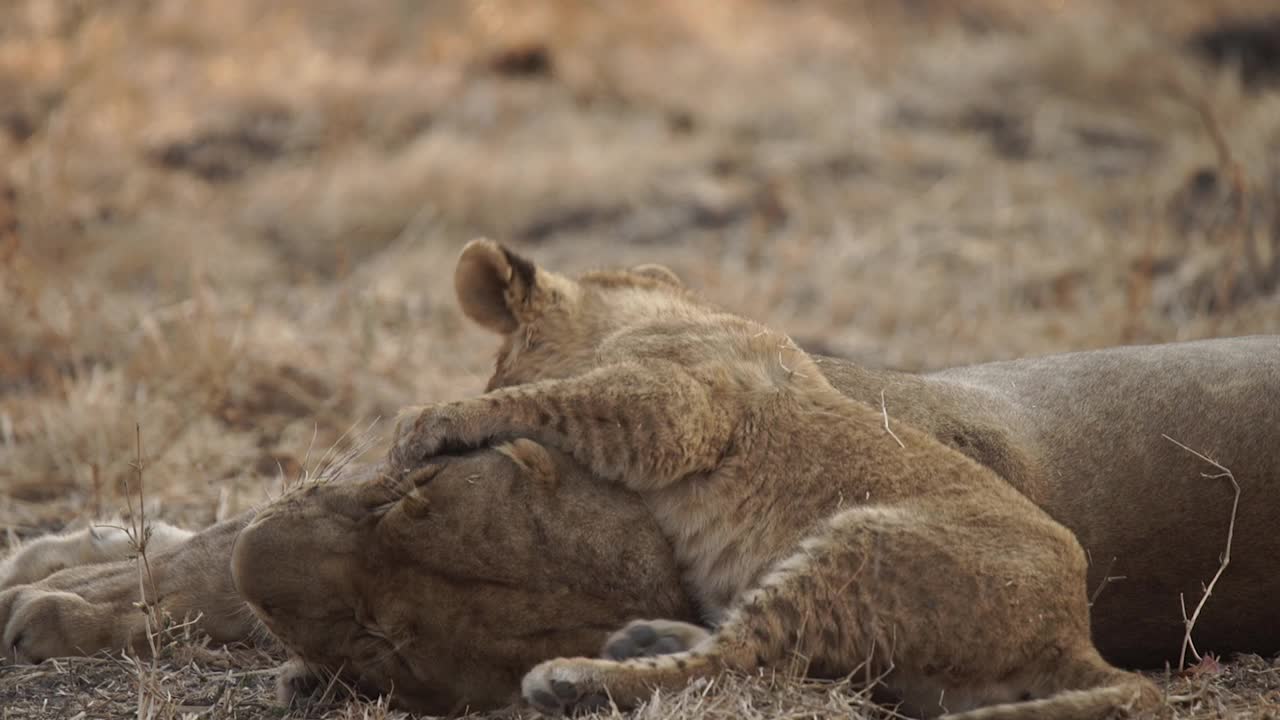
[1107, 579]
[1225, 560]
[885, 412]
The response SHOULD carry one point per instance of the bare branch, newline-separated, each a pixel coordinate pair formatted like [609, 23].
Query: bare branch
[1107, 579]
[1190, 623]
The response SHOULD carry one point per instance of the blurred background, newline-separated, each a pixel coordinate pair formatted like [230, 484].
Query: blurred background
[233, 222]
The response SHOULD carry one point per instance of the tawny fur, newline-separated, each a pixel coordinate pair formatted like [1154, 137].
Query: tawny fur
[508, 556]
[92, 606]
[98, 543]
[505, 556]
[1079, 434]
[812, 538]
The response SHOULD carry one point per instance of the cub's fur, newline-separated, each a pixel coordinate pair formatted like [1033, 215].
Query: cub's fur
[812, 538]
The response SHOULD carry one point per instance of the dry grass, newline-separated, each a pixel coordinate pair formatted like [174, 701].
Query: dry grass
[233, 223]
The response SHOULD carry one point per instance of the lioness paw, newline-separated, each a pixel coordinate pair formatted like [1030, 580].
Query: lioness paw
[41, 624]
[564, 686]
[646, 638]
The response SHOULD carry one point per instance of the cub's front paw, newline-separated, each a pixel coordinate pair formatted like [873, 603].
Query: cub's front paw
[430, 430]
[564, 686]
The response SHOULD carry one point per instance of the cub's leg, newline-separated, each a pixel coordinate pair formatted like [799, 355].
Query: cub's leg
[948, 618]
[645, 425]
[767, 627]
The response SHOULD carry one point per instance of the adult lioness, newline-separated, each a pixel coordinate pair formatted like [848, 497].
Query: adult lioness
[444, 589]
[811, 536]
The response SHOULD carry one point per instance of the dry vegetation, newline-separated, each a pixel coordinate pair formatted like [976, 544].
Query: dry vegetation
[233, 222]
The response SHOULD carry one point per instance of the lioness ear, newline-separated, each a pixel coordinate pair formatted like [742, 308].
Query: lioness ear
[661, 273]
[494, 285]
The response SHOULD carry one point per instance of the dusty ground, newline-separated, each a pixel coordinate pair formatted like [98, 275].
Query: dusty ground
[233, 223]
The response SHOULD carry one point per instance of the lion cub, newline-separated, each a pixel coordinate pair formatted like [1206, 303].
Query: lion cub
[814, 540]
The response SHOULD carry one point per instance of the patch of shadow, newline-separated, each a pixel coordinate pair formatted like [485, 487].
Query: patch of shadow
[1245, 228]
[644, 225]
[23, 117]
[1251, 45]
[1009, 133]
[844, 166]
[1205, 203]
[1116, 140]
[1115, 152]
[227, 153]
[566, 220]
[647, 224]
[670, 223]
[681, 122]
[523, 61]
[1055, 291]
[289, 392]
[407, 129]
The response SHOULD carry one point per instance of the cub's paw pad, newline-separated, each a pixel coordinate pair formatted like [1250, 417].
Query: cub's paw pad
[551, 691]
[646, 639]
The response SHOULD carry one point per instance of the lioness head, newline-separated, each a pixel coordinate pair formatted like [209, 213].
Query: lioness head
[551, 323]
[445, 587]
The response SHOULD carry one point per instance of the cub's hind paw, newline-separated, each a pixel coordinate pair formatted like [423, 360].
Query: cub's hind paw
[563, 687]
[646, 638]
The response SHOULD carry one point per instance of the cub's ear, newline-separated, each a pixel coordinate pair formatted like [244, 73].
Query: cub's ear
[494, 285]
[661, 273]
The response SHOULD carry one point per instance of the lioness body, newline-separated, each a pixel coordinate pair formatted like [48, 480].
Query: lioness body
[449, 586]
[811, 536]
[445, 589]
[1083, 436]
[84, 609]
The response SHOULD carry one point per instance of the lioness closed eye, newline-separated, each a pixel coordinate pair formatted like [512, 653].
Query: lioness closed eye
[813, 539]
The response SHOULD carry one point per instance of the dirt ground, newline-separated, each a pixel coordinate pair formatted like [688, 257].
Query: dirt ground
[230, 226]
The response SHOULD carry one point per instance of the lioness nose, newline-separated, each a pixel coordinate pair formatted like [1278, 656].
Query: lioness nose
[297, 566]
